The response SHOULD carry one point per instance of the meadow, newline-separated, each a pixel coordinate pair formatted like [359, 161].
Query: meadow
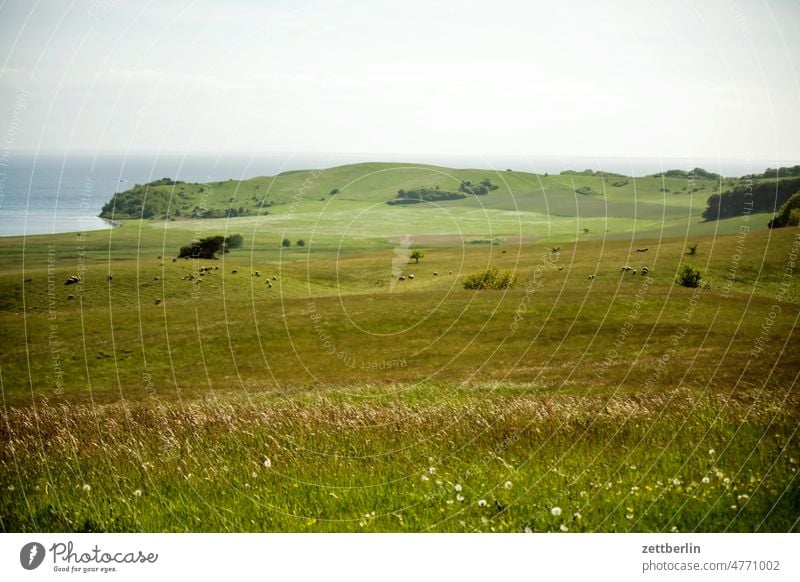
[307, 388]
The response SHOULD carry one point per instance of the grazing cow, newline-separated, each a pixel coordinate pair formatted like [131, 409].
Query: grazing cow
[645, 270]
[402, 278]
[72, 280]
[411, 276]
[274, 277]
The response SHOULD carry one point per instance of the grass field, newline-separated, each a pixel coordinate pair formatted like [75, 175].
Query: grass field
[324, 394]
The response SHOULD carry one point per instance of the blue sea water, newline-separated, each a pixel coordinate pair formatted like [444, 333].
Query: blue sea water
[42, 194]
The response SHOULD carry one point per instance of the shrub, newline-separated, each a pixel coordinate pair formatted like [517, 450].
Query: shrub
[688, 276]
[286, 243]
[300, 243]
[490, 278]
[692, 249]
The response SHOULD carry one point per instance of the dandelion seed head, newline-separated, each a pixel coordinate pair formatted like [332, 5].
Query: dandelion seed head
[508, 485]
[87, 487]
[481, 503]
[425, 478]
[267, 463]
[556, 511]
[706, 480]
[138, 493]
[563, 527]
[457, 487]
[460, 497]
[254, 474]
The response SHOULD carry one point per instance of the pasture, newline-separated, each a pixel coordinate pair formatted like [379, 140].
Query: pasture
[308, 389]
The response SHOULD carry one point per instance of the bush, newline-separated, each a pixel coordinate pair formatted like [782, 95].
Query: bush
[286, 243]
[300, 243]
[688, 276]
[692, 249]
[490, 278]
[207, 248]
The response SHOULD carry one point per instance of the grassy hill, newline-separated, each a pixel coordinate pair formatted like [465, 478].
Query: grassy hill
[309, 389]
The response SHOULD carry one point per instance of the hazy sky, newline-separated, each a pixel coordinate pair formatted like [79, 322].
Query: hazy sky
[665, 79]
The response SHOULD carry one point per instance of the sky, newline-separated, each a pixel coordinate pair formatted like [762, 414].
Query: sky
[703, 79]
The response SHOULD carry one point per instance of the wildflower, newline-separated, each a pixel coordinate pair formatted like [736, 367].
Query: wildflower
[528, 529]
[87, 487]
[425, 478]
[706, 480]
[432, 470]
[726, 480]
[676, 481]
[253, 474]
[674, 529]
[449, 502]
[481, 503]
[460, 497]
[734, 507]
[629, 516]
[576, 516]
[137, 493]
[10, 487]
[508, 485]
[634, 489]
[267, 463]
[742, 496]
[563, 527]
[711, 452]
[556, 511]
[438, 481]
[457, 487]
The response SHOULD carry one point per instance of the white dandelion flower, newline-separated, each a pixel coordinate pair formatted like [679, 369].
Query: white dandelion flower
[576, 516]
[481, 503]
[556, 511]
[508, 485]
[460, 497]
[138, 493]
[711, 452]
[87, 487]
[432, 470]
[267, 463]
[528, 529]
[629, 516]
[254, 474]
[676, 482]
[425, 478]
[674, 529]
[449, 502]
[457, 487]
[706, 480]
[563, 527]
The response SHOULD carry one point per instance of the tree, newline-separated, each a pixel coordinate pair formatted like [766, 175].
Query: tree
[207, 248]
[286, 243]
[688, 276]
[301, 243]
[417, 254]
[692, 249]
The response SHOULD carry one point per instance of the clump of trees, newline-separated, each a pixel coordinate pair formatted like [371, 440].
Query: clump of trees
[688, 276]
[490, 278]
[788, 214]
[207, 248]
[480, 189]
[755, 197]
[418, 195]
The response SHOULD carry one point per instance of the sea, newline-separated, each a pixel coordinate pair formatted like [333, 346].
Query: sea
[54, 193]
